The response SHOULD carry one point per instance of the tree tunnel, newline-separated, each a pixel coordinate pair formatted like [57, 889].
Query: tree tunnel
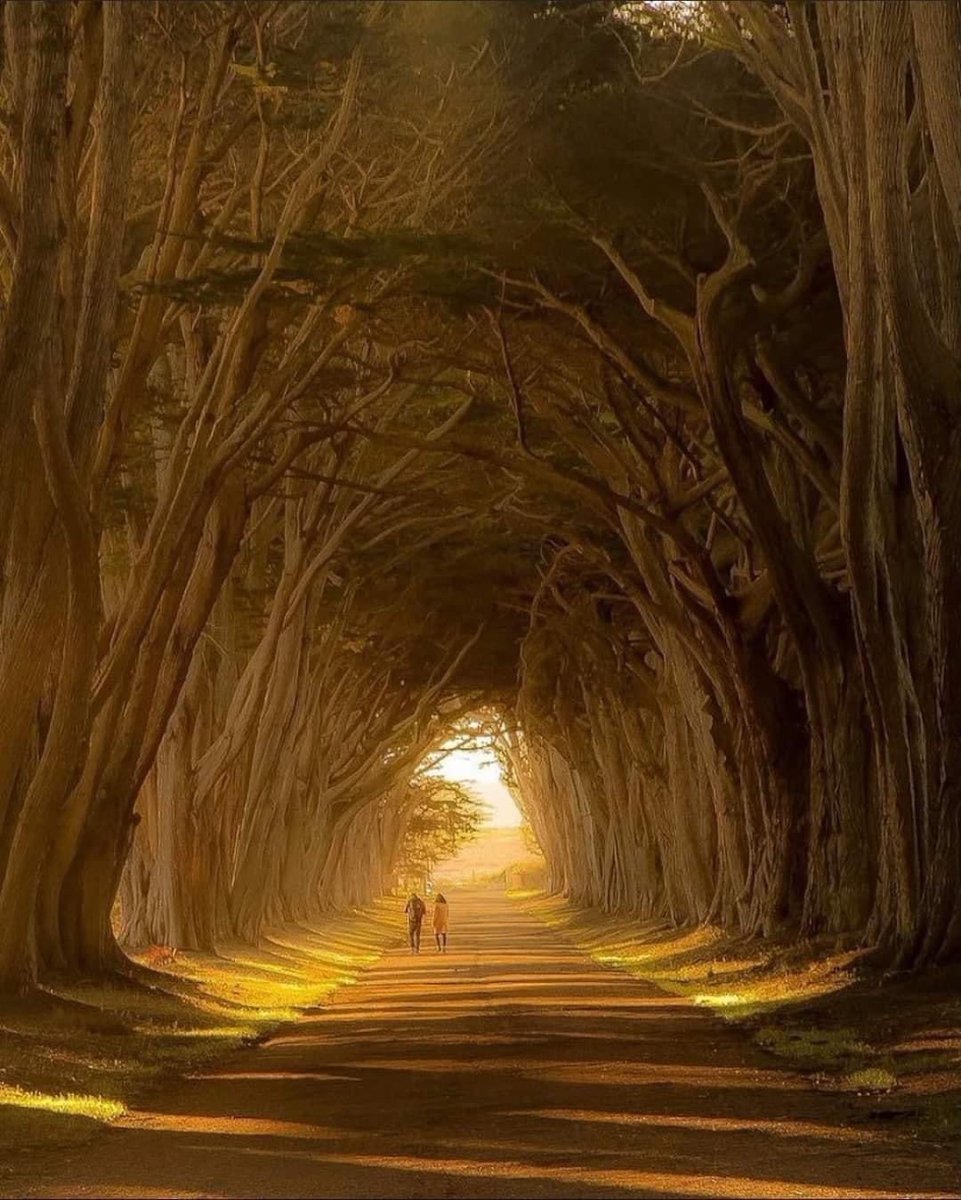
[368, 366]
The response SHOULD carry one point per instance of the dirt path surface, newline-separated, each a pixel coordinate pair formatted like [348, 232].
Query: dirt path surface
[513, 1066]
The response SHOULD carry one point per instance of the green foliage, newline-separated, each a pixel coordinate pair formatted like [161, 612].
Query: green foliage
[444, 816]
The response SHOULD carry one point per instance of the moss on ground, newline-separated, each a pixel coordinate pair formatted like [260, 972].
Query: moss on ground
[820, 1046]
[75, 1058]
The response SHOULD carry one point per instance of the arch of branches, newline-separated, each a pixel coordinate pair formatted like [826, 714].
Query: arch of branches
[367, 365]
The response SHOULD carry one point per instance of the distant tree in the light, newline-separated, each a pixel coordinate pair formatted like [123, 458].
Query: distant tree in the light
[444, 815]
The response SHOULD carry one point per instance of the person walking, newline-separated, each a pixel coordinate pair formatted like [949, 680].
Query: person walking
[439, 922]
[416, 910]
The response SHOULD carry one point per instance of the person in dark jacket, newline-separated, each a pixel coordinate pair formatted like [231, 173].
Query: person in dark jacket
[415, 910]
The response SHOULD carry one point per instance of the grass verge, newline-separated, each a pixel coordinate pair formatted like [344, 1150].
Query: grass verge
[892, 1045]
[75, 1058]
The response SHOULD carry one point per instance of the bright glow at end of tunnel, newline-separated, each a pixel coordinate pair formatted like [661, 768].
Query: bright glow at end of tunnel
[478, 770]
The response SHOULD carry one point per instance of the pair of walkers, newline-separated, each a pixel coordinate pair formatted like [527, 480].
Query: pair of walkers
[416, 910]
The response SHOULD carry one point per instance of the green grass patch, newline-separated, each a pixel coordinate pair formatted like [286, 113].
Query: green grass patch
[866, 1080]
[818, 1046]
[97, 1108]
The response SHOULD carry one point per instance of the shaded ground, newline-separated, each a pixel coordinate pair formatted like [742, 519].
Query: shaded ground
[514, 1066]
[891, 1044]
[73, 1058]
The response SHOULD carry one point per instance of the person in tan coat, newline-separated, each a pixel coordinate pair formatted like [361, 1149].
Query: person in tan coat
[440, 919]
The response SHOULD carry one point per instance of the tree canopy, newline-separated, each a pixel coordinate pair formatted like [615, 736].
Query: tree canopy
[589, 364]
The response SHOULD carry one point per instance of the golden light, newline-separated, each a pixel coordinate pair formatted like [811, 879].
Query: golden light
[96, 1108]
[478, 770]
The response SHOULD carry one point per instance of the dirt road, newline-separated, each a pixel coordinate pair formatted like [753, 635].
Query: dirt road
[513, 1066]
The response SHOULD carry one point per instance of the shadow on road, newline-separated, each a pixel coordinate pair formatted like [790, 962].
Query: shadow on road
[512, 1066]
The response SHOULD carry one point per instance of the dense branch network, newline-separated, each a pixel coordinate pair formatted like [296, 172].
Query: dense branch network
[590, 366]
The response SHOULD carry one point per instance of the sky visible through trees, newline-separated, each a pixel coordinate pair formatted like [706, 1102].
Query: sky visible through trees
[582, 375]
[476, 770]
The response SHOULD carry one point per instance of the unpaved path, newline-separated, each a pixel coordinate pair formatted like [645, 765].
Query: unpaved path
[513, 1066]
